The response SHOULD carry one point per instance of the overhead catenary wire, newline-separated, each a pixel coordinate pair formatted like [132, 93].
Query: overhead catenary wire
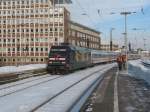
[85, 13]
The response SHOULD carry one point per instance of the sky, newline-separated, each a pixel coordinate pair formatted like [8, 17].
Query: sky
[102, 15]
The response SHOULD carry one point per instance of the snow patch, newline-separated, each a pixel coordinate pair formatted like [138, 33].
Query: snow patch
[13, 69]
[138, 70]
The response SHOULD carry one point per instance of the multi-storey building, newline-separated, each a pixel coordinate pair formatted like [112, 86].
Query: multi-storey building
[28, 28]
[83, 36]
[106, 47]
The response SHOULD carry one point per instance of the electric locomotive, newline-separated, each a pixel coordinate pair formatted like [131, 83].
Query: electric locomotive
[65, 58]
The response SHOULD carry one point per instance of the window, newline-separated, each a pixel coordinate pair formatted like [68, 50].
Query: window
[42, 60]
[36, 59]
[32, 59]
[13, 40]
[4, 60]
[51, 29]
[55, 29]
[13, 3]
[31, 49]
[37, 49]
[46, 30]
[8, 40]
[9, 49]
[46, 49]
[4, 3]
[31, 11]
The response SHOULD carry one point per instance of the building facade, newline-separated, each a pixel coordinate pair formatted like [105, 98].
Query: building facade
[28, 28]
[83, 36]
[106, 47]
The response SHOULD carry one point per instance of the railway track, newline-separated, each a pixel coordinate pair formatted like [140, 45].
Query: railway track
[21, 82]
[19, 76]
[10, 89]
[50, 91]
[64, 90]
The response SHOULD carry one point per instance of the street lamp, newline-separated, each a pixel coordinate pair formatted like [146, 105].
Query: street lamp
[137, 29]
[111, 38]
[125, 36]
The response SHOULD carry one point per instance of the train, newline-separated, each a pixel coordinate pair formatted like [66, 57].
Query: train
[67, 58]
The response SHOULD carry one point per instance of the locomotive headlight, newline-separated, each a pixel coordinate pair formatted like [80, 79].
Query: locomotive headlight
[63, 62]
[51, 58]
[62, 59]
[50, 62]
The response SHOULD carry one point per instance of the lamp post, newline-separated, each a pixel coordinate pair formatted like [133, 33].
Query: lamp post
[111, 38]
[137, 29]
[125, 37]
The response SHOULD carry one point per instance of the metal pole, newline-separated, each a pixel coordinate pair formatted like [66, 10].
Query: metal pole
[111, 38]
[125, 38]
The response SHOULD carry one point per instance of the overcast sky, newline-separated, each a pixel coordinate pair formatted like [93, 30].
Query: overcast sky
[102, 15]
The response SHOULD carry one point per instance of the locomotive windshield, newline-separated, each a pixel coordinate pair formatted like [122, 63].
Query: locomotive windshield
[58, 51]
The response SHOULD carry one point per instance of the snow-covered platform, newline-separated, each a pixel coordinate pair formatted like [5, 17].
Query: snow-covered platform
[122, 91]
[138, 70]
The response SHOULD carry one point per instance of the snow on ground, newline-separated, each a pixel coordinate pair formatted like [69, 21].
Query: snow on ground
[138, 70]
[13, 69]
[28, 99]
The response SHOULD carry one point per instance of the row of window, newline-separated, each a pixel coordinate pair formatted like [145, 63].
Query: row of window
[44, 21]
[22, 60]
[27, 12]
[37, 49]
[31, 30]
[52, 11]
[83, 36]
[84, 44]
[18, 2]
[23, 11]
[24, 40]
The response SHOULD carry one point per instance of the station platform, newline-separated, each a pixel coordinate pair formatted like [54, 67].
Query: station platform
[119, 92]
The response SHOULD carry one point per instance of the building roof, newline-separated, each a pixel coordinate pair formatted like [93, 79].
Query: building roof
[80, 25]
[62, 1]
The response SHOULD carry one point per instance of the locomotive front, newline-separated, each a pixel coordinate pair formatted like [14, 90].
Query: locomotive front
[58, 61]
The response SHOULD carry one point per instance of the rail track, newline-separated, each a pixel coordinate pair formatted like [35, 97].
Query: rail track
[10, 89]
[62, 91]
[50, 88]
[12, 77]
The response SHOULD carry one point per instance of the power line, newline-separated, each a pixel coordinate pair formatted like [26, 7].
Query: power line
[85, 13]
